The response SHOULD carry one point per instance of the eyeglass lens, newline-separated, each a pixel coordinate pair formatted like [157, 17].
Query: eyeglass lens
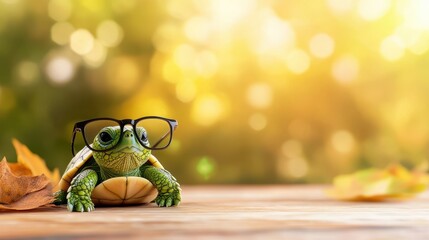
[158, 132]
[90, 131]
[93, 128]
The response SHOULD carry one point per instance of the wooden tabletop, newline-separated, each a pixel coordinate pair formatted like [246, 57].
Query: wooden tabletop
[231, 212]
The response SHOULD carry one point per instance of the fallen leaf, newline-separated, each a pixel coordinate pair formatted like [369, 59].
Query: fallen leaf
[393, 182]
[35, 163]
[23, 192]
[19, 169]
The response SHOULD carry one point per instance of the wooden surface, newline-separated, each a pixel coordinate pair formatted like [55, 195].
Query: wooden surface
[231, 212]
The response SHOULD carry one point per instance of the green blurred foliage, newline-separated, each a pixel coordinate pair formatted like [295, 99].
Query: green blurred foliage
[264, 91]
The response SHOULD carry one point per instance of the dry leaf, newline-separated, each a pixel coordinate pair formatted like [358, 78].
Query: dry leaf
[19, 169]
[36, 164]
[23, 192]
[394, 182]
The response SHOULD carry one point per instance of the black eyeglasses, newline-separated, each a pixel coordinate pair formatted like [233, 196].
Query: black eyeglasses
[154, 130]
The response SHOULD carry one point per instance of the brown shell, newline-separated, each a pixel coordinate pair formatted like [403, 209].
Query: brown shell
[114, 191]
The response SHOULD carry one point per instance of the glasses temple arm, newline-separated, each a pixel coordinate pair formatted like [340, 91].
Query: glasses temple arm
[75, 130]
[72, 145]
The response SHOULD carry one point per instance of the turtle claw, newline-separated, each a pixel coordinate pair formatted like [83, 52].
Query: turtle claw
[168, 199]
[169, 202]
[79, 203]
[161, 203]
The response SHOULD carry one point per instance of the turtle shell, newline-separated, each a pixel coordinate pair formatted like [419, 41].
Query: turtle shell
[114, 191]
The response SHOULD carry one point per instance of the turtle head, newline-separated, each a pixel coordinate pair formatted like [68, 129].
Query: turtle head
[127, 155]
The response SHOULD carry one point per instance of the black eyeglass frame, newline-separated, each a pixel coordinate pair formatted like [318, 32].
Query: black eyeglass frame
[80, 127]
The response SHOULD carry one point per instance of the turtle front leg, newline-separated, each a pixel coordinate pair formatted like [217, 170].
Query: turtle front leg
[167, 186]
[79, 192]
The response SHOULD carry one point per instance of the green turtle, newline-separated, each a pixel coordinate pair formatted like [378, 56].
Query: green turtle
[127, 174]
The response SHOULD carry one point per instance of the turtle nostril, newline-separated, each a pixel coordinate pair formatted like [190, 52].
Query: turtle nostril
[128, 134]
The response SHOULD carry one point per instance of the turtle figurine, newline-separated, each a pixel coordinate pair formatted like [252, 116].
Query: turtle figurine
[117, 168]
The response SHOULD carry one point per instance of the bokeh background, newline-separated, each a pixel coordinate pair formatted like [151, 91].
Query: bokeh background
[265, 91]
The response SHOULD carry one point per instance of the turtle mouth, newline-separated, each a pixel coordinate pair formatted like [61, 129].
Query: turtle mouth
[129, 149]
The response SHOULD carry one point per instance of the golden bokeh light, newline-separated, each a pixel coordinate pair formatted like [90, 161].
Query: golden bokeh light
[298, 61]
[292, 163]
[60, 69]
[371, 10]
[421, 46]
[180, 10]
[226, 14]
[205, 64]
[297, 167]
[342, 141]
[184, 56]
[257, 121]
[273, 35]
[392, 48]
[60, 10]
[81, 41]
[415, 14]
[109, 33]
[61, 32]
[96, 56]
[186, 91]
[259, 95]
[197, 29]
[413, 39]
[292, 148]
[208, 109]
[294, 168]
[345, 69]
[341, 6]
[171, 71]
[164, 38]
[322, 45]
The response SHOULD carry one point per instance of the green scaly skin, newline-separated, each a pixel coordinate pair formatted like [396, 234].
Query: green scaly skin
[128, 158]
[79, 192]
[167, 186]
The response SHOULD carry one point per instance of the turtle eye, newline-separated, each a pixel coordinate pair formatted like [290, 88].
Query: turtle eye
[144, 136]
[105, 137]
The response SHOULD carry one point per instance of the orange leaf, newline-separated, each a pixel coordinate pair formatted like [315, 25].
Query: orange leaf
[19, 169]
[23, 192]
[36, 164]
[31, 201]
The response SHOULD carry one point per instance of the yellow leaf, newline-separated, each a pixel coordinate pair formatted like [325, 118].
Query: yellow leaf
[36, 164]
[393, 182]
[376, 188]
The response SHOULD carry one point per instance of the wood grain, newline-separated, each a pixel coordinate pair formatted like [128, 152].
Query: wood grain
[231, 212]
